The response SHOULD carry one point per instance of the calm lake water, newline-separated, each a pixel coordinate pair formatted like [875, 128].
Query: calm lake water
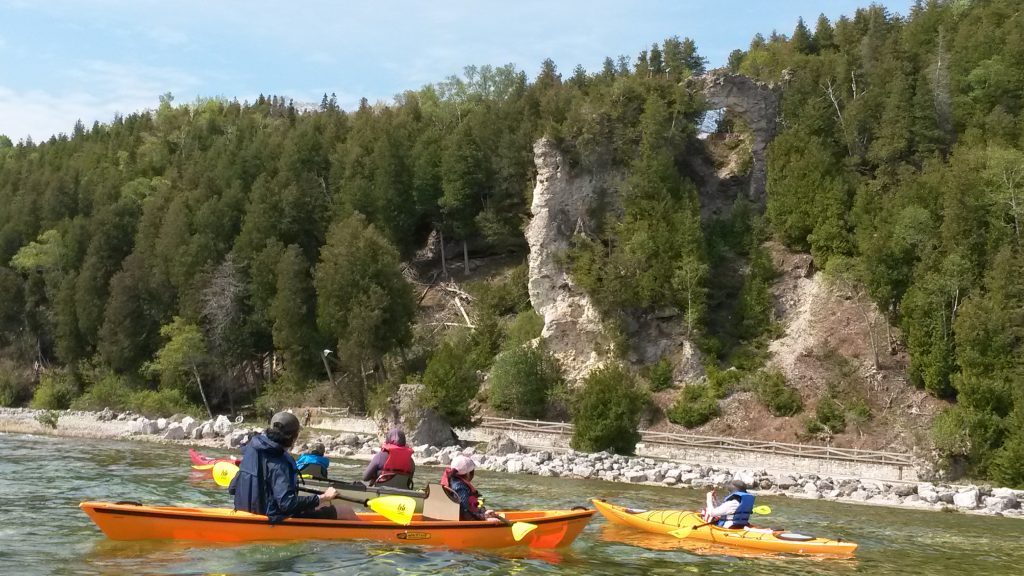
[43, 479]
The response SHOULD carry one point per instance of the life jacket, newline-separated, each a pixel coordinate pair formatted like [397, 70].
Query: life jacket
[398, 468]
[473, 505]
[741, 517]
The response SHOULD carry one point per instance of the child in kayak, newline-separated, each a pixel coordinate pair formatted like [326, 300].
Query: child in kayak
[734, 511]
[458, 479]
[313, 462]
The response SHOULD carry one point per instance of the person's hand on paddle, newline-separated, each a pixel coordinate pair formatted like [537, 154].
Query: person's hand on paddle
[492, 516]
[329, 494]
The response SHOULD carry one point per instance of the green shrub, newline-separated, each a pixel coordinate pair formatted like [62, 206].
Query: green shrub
[722, 383]
[162, 402]
[508, 295]
[781, 400]
[606, 412]
[521, 381]
[450, 382]
[109, 391]
[15, 384]
[695, 406]
[659, 375]
[828, 417]
[525, 327]
[48, 418]
[56, 391]
[1008, 462]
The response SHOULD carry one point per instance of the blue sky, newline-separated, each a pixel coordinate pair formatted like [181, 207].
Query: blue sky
[61, 60]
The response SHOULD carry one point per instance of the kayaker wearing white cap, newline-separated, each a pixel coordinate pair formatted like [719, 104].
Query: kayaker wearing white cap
[458, 477]
[735, 510]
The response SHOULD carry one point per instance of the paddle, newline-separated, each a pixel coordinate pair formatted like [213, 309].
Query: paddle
[519, 529]
[684, 531]
[398, 509]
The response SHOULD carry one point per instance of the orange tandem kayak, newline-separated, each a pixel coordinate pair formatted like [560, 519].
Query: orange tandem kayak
[770, 540]
[555, 528]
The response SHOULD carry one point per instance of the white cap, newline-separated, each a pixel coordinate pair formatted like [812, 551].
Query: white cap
[463, 464]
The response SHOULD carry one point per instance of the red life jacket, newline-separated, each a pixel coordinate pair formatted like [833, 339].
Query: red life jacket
[399, 462]
[474, 496]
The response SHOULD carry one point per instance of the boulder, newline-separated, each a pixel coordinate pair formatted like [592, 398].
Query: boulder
[967, 498]
[785, 482]
[514, 466]
[349, 440]
[636, 476]
[669, 481]
[175, 432]
[161, 424]
[149, 427]
[904, 490]
[222, 426]
[583, 471]
[189, 424]
[503, 444]
[237, 438]
[996, 504]
[106, 415]
[811, 491]
[1006, 494]
[546, 471]
[928, 493]
[431, 428]
[197, 433]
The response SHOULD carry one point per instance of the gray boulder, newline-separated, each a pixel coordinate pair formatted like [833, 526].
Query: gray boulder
[966, 499]
[189, 424]
[583, 471]
[514, 466]
[904, 490]
[161, 424]
[785, 482]
[1006, 494]
[197, 433]
[149, 427]
[503, 444]
[106, 415]
[431, 428]
[222, 426]
[175, 432]
[997, 504]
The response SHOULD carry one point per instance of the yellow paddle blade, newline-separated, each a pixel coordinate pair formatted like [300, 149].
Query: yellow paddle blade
[762, 509]
[682, 532]
[223, 473]
[398, 509]
[521, 529]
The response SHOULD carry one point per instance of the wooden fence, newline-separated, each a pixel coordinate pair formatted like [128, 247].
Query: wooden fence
[715, 443]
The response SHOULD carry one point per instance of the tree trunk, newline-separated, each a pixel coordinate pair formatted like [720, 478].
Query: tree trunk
[444, 262]
[465, 255]
[871, 334]
[202, 391]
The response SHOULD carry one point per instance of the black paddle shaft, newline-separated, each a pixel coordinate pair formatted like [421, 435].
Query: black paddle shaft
[336, 496]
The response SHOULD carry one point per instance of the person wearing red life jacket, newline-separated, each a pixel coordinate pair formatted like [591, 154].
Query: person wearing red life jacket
[458, 480]
[393, 466]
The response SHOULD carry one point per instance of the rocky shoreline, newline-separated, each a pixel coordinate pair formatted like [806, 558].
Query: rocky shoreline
[503, 454]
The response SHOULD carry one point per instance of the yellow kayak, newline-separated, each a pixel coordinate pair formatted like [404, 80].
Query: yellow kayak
[771, 540]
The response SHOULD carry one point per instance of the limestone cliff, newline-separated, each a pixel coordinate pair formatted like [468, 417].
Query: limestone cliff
[572, 326]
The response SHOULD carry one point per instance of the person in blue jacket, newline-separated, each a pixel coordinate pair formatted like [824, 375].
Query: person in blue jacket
[735, 510]
[316, 457]
[267, 479]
